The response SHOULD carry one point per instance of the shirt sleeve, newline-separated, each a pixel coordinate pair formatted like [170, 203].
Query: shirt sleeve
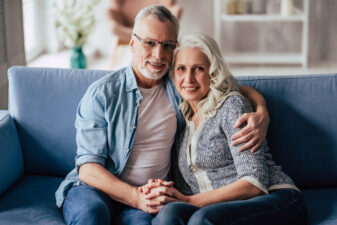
[91, 128]
[251, 167]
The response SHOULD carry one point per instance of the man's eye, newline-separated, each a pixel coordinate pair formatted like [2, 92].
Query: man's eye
[199, 68]
[150, 43]
[169, 46]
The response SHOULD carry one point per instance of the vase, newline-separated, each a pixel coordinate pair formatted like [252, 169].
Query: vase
[77, 59]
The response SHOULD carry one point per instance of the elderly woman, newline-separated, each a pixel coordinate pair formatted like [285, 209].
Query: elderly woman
[217, 183]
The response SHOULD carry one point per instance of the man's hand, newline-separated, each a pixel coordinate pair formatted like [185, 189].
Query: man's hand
[144, 204]
[254, 132]
[155, 194]
[154, 203]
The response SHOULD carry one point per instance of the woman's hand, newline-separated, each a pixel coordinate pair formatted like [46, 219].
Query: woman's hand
[254, 132]
[153, 183]
[161, 195]
[145, 205]
[158, 193]
[164, 195]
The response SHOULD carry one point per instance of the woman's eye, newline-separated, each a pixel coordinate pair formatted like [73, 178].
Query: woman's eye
[180, 68]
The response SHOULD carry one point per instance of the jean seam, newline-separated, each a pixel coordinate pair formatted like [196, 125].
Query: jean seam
[263, 213]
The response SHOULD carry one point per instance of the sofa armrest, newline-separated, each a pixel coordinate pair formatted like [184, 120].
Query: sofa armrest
[11, 160]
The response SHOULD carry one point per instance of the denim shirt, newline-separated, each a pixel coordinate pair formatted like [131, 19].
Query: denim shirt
[106, 123]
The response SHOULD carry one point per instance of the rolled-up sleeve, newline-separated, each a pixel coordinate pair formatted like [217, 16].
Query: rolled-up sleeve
[91, 128]
[251, 167]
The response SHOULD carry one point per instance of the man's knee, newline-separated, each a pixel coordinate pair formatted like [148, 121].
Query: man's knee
[174, 213]
[86, 207]
[93, 213]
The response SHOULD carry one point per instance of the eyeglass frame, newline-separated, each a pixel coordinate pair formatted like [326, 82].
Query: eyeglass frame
[162, 43]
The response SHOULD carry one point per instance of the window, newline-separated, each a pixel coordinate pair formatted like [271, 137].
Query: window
[32, 23]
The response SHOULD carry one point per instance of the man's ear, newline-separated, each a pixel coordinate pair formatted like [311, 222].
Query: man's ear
[131, 43]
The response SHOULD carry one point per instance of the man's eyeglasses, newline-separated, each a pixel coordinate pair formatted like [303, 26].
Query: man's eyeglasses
[168, 46]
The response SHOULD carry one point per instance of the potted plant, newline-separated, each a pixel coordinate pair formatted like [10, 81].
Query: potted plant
[75, 20]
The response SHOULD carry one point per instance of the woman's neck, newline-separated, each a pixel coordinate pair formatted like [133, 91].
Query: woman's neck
[195, 116]
[194, 106]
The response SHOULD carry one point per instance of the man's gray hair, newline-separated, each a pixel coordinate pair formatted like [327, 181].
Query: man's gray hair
[158, 11]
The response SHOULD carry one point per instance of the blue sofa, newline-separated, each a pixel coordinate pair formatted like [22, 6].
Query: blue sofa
[37, 139]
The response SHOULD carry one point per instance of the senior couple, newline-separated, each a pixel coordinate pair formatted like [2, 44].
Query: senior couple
[128, 122]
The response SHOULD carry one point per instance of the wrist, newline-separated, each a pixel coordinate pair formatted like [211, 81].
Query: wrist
[261, 109]
[194, 200]
[135, 198]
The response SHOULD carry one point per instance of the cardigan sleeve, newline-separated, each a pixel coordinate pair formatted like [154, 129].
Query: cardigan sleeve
[251, 167]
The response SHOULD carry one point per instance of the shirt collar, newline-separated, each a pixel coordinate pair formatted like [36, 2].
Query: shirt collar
[131, 82]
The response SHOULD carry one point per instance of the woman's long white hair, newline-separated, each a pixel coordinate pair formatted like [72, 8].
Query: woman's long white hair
[222, 82]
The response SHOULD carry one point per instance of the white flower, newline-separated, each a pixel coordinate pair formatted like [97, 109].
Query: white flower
[74, 20]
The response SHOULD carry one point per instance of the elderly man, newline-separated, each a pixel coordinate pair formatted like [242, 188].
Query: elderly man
[126, 123]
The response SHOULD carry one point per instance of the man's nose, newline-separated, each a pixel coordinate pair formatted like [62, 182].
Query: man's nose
[158, 51]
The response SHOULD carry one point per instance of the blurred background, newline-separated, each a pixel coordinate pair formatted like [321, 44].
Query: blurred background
[257, 37]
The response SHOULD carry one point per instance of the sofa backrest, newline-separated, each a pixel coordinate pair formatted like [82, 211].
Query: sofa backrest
[43, 103]
[302, 134]
[303, 130]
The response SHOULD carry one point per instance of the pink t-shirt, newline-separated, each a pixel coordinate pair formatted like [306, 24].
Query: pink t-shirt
[157, 123]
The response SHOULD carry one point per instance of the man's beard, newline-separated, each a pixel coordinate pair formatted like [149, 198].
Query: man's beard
[153, 75]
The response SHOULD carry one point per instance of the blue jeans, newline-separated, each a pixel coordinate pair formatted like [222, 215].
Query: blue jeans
[282, 206]
[87, 205]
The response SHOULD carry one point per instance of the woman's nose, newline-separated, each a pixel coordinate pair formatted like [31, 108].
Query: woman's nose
[189, 76]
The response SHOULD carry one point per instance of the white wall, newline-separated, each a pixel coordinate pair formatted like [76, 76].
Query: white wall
[102, 38]
[198, 17]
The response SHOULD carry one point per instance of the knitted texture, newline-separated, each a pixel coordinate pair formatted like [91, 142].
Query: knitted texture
[206, 159]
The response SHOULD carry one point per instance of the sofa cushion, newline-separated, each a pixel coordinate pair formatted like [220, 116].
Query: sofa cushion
[43, 102]
[321, 205]
[11, 162]
[31, 201]
[303, 128]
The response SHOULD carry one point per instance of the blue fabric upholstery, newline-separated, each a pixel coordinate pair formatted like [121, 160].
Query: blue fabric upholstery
[11, 162]
[31, 201]
[321, 205]
[43, 103]
[303, 128]
[302, 136]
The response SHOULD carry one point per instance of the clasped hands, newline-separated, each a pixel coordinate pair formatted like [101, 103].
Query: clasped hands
[157, 193]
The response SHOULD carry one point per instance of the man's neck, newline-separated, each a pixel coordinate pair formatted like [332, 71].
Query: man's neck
[147, 83]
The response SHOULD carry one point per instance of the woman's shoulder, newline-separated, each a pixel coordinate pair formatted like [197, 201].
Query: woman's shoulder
[235, 102]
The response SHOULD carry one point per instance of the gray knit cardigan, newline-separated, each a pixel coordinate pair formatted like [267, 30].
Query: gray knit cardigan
[204, 159]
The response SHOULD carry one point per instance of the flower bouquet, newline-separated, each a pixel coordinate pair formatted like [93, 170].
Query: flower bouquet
[75, 20]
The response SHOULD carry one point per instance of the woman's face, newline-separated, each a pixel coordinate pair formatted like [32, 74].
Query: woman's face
[191, 74]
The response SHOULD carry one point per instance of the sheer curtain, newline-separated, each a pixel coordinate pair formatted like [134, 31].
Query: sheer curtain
[12, 50]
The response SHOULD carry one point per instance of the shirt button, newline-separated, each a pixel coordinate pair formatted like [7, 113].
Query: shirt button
[126, 149]
[138, 104]
[134, 127]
